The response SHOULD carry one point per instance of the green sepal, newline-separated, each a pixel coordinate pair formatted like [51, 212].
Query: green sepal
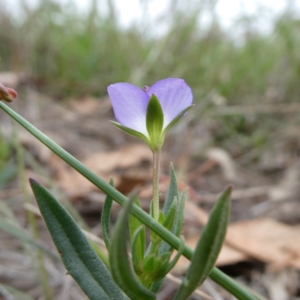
[105, 217]
[131, 132]
[154, 123]
[79, 258]
[121, 269]
[208, 247]
[177, 118]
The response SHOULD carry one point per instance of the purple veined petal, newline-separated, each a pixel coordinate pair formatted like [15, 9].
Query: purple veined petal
[174, 96]
[130, 105]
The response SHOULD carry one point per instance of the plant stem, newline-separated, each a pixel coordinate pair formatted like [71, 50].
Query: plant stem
[229, 284]
[155, 200]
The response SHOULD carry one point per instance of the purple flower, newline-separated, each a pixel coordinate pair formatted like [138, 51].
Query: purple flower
[130, 105]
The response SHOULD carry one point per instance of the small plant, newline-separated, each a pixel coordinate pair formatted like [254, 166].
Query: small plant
[147, 114]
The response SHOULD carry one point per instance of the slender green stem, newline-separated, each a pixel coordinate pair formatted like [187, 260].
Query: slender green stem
[155, 200]
[233, 287]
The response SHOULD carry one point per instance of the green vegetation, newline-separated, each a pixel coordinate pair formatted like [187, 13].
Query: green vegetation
[244, 84]
[68, 52]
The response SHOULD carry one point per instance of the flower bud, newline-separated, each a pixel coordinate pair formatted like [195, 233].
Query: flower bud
[7, 94]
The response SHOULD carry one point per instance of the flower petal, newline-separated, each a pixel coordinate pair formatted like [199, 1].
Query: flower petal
[174, 96]
[129, 105]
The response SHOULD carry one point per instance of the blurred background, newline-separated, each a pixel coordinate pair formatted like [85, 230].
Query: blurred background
[242, 61]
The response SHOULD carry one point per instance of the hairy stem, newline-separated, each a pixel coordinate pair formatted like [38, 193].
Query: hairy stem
[155, 201]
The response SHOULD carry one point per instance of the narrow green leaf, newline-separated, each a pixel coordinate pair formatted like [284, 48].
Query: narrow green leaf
[172, 191]
[161, 218]
[105, 217]
[121, 269]
[170, 217]
[138, 247]
[154, 123]
[178, 223]
[171, 195]
[208, 247]
[79, 258]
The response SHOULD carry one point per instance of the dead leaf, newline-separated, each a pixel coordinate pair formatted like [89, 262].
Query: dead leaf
[267, 240]
[228, 254]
